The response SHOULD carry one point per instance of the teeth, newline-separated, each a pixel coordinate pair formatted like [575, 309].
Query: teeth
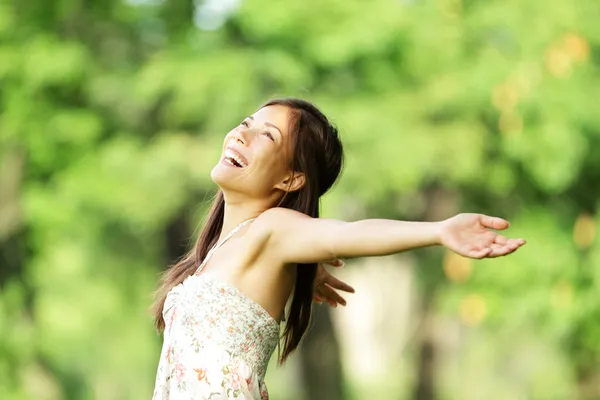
[233, 155]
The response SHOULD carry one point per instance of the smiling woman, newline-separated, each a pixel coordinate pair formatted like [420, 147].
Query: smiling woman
[261, 146]
[220, 307]
[235, 157]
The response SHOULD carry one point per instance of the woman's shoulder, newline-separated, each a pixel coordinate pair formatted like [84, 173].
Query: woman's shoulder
[278, 215]
[275, 219]
[267, 230]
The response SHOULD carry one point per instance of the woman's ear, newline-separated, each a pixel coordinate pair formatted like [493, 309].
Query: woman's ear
[292, 182]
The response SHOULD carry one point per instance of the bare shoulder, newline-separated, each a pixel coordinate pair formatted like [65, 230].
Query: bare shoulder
[264, 234]
[278, 217]
[274, 220]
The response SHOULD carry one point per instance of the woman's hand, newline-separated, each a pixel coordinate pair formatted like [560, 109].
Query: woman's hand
[326, 285]
[471, 235]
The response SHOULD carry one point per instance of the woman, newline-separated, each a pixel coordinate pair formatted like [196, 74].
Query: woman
[220, 307]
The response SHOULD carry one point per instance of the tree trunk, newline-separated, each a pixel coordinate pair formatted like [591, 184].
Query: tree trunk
[321, 367]
[440, 204]
[425, 388]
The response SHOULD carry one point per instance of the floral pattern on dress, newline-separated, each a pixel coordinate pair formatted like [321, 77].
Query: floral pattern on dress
[217, 343]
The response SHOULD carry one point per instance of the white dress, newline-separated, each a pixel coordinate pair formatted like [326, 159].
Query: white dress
[217, 341]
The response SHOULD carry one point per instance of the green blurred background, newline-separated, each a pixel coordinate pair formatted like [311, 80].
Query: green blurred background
[112, 114]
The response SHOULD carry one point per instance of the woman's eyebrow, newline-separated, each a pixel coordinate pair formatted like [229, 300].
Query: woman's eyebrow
[267, 124]
[273, 126]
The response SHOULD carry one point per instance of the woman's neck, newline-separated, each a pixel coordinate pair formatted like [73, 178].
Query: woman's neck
[238, 212]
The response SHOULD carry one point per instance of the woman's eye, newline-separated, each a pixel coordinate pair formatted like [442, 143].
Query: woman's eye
[244, 123]
[268, 134]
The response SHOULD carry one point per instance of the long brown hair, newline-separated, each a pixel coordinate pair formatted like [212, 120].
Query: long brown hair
[318, 154]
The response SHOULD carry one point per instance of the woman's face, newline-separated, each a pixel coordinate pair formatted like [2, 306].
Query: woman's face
[256, 154]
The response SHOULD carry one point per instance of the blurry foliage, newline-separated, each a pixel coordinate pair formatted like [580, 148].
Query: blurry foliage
[112, 113]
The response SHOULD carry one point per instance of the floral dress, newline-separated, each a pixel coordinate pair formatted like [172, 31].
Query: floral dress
[217, 342]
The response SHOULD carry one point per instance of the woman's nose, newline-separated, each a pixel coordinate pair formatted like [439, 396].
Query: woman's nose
[244, 136]
[240, 137]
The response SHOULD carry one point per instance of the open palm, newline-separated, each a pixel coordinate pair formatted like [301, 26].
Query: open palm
[474, 236]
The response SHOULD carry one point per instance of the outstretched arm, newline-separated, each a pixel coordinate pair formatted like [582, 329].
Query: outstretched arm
[297, 238]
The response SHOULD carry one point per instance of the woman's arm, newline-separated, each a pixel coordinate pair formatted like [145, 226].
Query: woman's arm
[297, 238]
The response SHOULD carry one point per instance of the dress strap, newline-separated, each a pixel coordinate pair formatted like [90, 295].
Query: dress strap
[219, 244]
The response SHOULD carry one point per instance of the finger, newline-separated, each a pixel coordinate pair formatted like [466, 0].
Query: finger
[499, 239]
[502, 247]
[339, 285]
[503, 251]
[324, 298]
[331, 300]
[494, 222]
[331, 303]
[509, 242]
[508, 246]
[487, 238]
[516, 242]
[498, 250]
[338, 262]
[331, 295]
[481, 253]
[317, 298]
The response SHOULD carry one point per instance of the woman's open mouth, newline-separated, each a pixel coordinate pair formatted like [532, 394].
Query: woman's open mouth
[235, 159]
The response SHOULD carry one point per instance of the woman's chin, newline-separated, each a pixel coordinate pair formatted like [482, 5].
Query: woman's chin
[218, 175]
[224, 175]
